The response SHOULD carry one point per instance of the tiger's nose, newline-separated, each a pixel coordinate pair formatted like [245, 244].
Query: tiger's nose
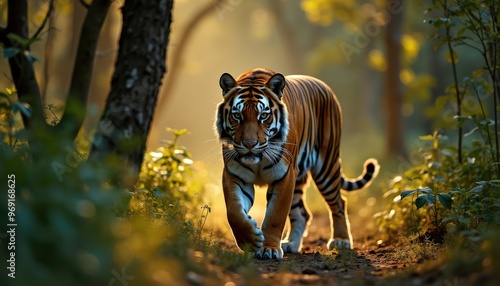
[250, 144]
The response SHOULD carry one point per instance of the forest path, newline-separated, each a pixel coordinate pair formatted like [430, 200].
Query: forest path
[367, 264]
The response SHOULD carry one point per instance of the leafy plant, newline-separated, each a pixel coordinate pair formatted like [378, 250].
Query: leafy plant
[426, 197]
[472, 24]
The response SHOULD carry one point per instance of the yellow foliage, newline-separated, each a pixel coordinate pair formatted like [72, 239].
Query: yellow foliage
[407, 76]
[377, 61]
[411, 47]
[324, 12]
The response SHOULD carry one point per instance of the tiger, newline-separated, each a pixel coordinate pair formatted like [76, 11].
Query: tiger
[279, 131]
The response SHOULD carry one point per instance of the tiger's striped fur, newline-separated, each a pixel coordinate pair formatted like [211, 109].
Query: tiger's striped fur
[278, 131]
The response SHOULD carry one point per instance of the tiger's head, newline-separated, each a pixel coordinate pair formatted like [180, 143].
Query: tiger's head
[252, 120]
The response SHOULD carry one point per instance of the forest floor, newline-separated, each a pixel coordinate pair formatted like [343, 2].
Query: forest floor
[368, 263]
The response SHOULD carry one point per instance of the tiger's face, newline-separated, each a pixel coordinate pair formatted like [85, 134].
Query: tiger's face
[252, 119]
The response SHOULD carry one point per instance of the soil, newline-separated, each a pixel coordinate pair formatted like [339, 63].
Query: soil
[368, 263]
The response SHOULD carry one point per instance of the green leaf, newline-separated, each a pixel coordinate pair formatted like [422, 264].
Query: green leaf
[495, 183]
[445, 200]
[420, 202]
[452, 57]
[405, 194]
[18, 39]
[477, 189]
[23, 42]
[425, 190]
[10, 52]
[430, 198]
[477, 73]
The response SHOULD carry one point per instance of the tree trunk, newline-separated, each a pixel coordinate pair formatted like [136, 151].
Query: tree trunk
[139, 69]
[288, 36]
[76, 104]
[395, 142]
[21, 68]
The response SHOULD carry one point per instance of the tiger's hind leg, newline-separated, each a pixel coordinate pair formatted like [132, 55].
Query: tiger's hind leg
[341, 238]
[300, 217]
[329, 186]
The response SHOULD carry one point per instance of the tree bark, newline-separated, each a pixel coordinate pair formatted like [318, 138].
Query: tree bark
[21, 68]
[76, 104]
[395, 140]
[139, 69]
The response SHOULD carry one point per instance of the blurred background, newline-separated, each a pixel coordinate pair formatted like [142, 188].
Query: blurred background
[348, 44]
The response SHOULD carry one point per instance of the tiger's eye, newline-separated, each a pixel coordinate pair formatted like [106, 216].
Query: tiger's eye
[264, 116]
[236, 115]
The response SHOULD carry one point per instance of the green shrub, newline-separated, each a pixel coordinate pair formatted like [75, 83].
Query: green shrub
[63, 208]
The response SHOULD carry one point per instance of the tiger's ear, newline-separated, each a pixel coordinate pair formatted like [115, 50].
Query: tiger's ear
[277, 83]
[226, 82]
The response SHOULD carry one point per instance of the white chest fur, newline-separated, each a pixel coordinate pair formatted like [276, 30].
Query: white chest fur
[262, 173]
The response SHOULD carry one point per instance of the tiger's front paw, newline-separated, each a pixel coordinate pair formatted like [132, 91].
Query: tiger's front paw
[250, 237]
[339, 243]
[269, 253]
[291, 246]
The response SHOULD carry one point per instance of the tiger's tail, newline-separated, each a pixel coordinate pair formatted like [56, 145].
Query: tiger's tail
[370, 172]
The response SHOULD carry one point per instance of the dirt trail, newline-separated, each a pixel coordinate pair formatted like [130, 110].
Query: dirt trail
[367, 264]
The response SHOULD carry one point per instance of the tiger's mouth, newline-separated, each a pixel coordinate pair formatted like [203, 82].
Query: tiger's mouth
[251, 158]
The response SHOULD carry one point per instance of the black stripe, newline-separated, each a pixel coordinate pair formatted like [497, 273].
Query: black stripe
[321, 181]
[237, 177]
[245, 193]
[370, 168]
[333, 200]
[248, 196]
[300, 204]
[269, 195]
[280, 179]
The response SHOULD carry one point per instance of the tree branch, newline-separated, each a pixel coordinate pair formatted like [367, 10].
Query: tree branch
[76, 104]
[45, 20]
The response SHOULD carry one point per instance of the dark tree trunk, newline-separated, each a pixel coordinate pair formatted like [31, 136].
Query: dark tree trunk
[393, 98]
[23, 73]
[139, 69]
[76, 104]
[21, 68]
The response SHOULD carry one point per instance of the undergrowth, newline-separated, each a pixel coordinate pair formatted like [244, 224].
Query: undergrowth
[76, 227]
[451, 196]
